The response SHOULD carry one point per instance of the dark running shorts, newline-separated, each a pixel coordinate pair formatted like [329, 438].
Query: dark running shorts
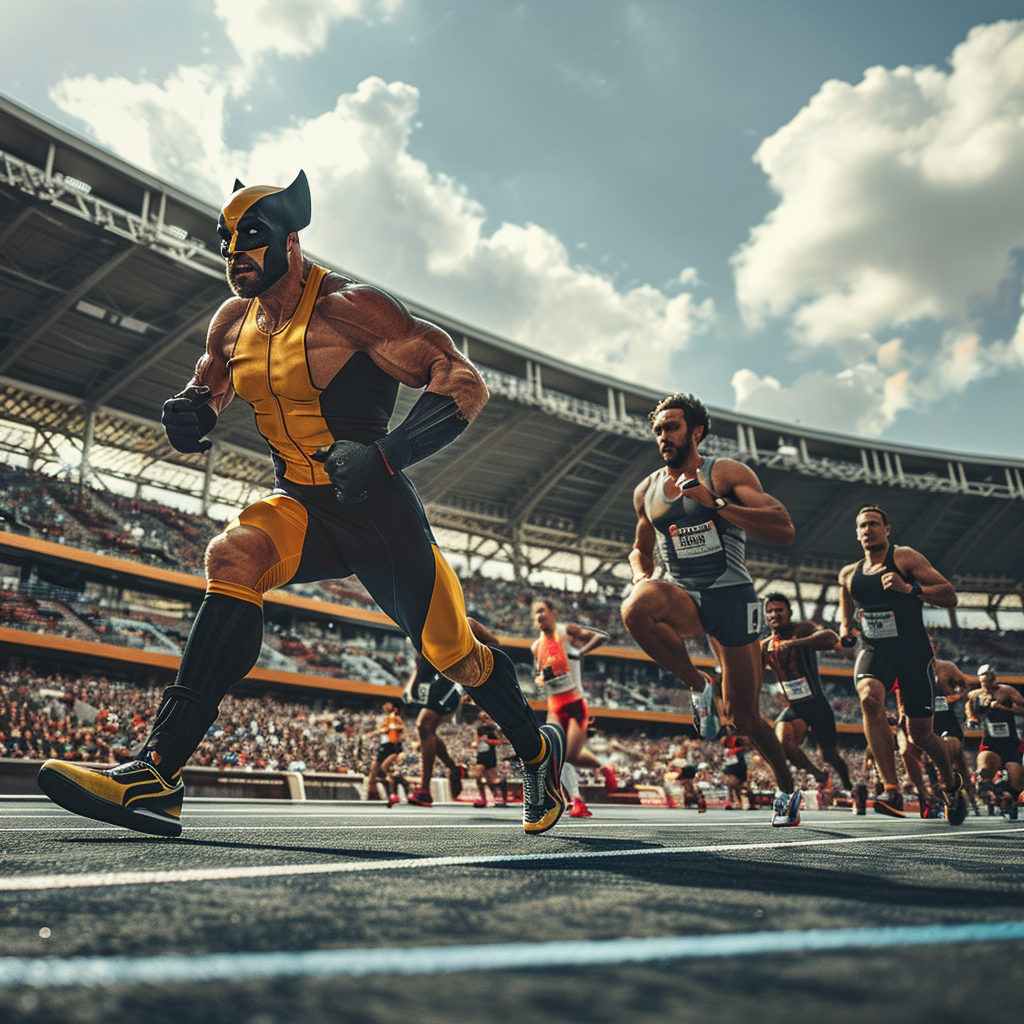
[1008, 750]
[946, 723]
[737, 769]
[487, 758]
[385, 750]
[910, 664]
[734, 616]
[817, 713]
[440, 695]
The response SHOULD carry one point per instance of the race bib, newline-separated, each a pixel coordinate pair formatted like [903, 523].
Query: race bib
[482, 747]
[422, 693]
[879, 625]
[796, 689]
[694, 541]
[941, 704]
[997, 730]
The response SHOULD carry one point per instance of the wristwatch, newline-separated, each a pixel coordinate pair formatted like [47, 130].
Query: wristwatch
[915, 589]
[719, 502]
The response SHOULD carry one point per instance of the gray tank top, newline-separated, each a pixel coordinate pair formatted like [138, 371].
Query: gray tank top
[701, 550]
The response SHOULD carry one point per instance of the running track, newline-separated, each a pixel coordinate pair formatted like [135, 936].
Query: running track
[265, 914]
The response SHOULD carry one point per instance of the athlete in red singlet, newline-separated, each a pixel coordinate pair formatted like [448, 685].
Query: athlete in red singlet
[557, 654]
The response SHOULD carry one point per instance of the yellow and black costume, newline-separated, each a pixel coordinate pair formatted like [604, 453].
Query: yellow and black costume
[341, 505]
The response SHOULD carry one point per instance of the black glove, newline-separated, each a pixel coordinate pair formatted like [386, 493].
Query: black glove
[355, 469]
[186, 418]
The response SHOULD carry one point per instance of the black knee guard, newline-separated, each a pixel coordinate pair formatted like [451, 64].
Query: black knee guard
[499, 695]
[222, 647]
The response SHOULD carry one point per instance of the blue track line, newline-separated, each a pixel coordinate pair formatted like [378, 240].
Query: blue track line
[228, 967]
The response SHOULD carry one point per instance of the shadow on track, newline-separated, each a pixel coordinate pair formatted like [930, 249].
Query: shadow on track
[227, 844]
[980, 885]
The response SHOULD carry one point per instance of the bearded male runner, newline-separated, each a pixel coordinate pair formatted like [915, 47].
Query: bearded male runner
[699, 509]
[320, 359]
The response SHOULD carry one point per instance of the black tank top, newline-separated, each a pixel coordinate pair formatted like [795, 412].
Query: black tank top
[888, 618]
[997, 725]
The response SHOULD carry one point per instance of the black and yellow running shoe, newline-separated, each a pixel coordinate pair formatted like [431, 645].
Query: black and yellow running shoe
[543, 797]
[133, 795]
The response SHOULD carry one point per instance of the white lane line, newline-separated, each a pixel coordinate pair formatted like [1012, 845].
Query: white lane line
[104, 879]
[84, 971]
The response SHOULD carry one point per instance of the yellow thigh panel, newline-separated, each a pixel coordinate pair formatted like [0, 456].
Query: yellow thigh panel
[446, 637]
[284, 521]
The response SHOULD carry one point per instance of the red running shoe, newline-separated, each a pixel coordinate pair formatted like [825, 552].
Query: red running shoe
[421, 798]
[579, 809]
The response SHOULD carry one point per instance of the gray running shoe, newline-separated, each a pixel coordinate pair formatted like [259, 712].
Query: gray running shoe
[705, 715]
[786, 809]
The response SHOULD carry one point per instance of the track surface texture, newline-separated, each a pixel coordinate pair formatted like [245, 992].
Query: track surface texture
[442, 915]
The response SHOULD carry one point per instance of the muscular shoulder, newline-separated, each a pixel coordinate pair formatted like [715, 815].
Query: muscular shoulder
[640, 491]
[364, 313]
[728, 473]
[905, 557]
[230, 315]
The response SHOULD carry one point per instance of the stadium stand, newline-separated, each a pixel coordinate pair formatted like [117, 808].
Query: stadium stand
[109, 280]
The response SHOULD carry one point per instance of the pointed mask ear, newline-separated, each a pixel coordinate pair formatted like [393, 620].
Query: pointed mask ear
[237, 186]
[296, 201]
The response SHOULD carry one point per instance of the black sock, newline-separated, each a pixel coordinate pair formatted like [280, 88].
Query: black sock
[499, 695]
[222, 647]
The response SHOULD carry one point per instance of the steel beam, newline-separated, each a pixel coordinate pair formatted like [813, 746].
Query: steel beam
[42, 323]
[159, 349]
[553, 477]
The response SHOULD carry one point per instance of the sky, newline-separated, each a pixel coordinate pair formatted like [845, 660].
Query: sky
[811, 212]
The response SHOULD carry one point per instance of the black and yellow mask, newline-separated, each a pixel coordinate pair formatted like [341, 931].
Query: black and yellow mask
[257, 220]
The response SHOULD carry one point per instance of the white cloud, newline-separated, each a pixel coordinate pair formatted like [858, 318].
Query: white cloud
[384, 215]
[899, 204]
[291, 28]
[866, 398]
[860, 400]
[899, 196]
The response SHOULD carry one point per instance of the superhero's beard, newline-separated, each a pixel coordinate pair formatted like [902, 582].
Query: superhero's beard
[251, 284]
[263, 273]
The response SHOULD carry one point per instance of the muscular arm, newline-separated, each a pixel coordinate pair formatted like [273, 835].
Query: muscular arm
[935, 588]
[847, 605]
[641, 558]
[482, 633]
[585, 639]
[807, 634]
[749, 507]
[1009, 699]
[212, 368]
[413, 351]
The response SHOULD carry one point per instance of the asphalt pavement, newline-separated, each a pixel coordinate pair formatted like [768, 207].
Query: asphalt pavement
[265, 912]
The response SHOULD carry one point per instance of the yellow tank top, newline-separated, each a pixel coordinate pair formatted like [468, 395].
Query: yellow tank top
[271, 373]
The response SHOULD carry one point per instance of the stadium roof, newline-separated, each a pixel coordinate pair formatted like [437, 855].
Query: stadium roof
[109, 276]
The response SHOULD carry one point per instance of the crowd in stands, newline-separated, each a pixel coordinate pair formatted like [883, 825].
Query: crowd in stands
[100, 720]
[92, 519]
